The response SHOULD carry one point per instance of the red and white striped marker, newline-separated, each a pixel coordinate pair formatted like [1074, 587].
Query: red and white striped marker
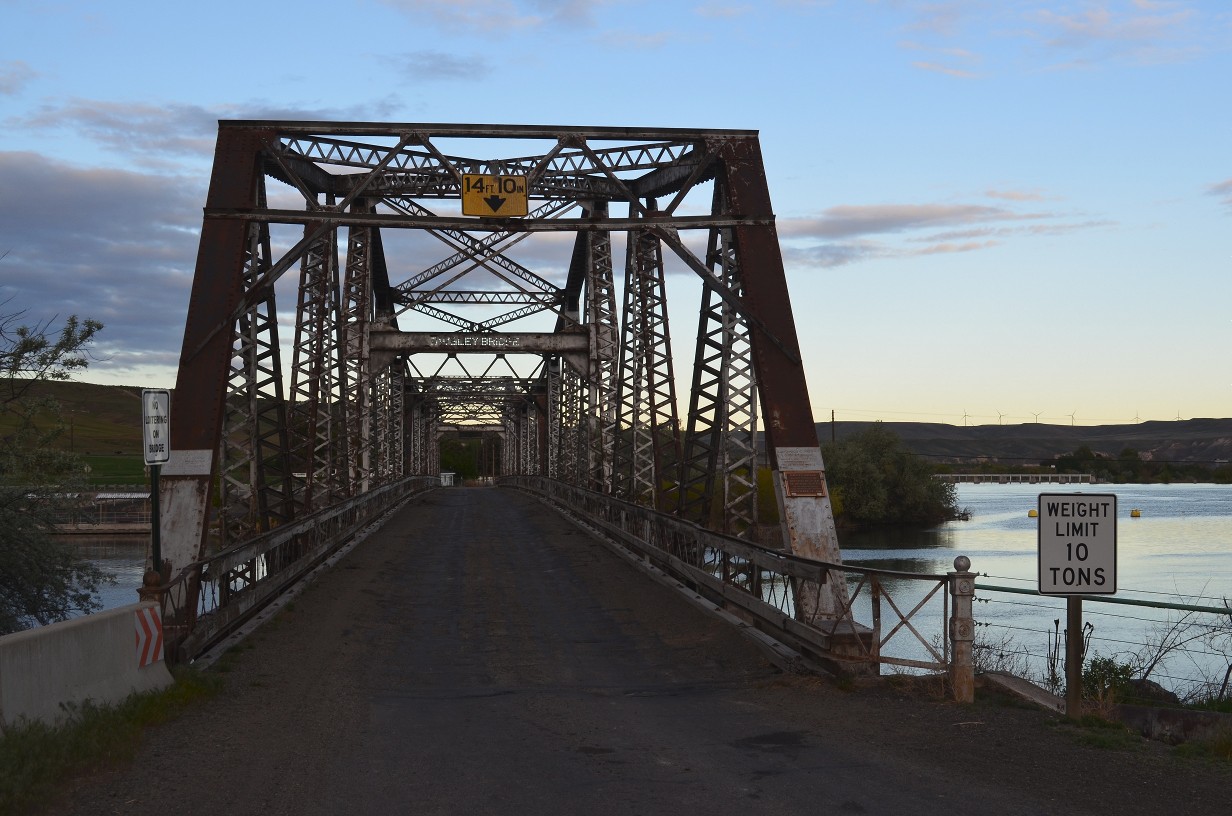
[149, 636]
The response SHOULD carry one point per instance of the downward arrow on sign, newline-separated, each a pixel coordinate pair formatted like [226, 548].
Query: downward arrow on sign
[495, 202]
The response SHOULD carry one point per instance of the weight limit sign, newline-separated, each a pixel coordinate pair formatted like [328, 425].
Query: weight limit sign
[1077, 544]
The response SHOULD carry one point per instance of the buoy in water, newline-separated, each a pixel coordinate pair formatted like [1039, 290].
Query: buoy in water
[1032, 513]
[1135, 513]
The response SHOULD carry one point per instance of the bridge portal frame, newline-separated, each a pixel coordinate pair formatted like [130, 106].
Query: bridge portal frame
[335, 442]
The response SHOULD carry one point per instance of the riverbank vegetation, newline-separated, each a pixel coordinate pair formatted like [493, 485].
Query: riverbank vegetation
[41, 580]
[1127, 467]
[1130, 468]
[875, 480]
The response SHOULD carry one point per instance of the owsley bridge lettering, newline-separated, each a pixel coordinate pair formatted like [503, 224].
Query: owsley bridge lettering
[496, 341]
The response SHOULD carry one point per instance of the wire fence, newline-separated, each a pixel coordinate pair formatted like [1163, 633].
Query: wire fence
[1181, 643]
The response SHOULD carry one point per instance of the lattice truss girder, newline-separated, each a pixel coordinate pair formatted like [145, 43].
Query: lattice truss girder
[647, 451]
[603, 407]
[255, 476]
[318, 379]
[720, 466]
[380, 246]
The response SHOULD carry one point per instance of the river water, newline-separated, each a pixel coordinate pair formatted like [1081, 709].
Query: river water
[1179, 550]
[121, 557]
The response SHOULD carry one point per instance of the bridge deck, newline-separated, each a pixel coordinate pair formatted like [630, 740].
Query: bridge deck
[479, 654]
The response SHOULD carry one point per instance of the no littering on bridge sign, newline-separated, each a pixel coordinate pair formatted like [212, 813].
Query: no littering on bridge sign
[1077, 544]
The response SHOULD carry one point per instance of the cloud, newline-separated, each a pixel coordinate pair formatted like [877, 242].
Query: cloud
[1223, 190]
[833, 255]
[113, 245]
[944, 19]
[942, 69]
[169, 130]
[1014, 195]
[852, 234]
[641, 41]
[722, 10]
[130, 127]
[945, 59]
[429, 65]
[847, 221]
[1149, 32]
[1062, 35]
[14, 76]
[504, 15]
[949, 248]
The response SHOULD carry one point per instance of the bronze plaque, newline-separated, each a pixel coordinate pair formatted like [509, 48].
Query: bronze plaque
[804, 483]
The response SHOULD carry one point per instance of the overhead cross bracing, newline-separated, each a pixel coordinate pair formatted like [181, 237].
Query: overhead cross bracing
[497, 277]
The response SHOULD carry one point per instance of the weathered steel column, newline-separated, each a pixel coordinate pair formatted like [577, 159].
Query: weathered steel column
[791, 435]
[205, 358]
[962, 631]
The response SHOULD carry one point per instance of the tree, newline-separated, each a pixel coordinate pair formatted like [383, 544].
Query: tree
[41, 579]
[876, 480]
[460, 456]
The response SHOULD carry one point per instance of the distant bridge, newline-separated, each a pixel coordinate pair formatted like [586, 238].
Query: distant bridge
[1017, 478]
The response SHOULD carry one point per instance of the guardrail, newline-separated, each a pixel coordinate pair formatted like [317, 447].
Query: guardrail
[760, 585]
[210, 598]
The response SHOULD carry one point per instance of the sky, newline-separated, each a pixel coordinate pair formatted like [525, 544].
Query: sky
[991, 211]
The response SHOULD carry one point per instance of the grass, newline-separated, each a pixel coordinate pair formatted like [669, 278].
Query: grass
[1099, 732]
[117, 470]
[1216, 746]
[35, 758]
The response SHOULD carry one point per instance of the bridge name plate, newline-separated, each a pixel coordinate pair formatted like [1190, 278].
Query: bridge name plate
[479, 342]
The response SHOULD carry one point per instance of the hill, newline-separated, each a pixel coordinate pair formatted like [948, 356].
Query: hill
[106, 420]
[101, 419]
[1194, 441]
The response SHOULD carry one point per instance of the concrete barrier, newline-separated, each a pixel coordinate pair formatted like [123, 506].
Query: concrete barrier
[102, 658]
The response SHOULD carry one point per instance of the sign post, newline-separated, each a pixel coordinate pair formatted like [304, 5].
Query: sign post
[1077, 556]
[156, 439]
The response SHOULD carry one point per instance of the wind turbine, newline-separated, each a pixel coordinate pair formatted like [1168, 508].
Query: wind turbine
[965, 415]
[1071, 417]
[1000, 416]
[1036, 415]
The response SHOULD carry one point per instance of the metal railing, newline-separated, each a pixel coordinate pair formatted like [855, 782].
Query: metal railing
[760, 585]
[211, 597]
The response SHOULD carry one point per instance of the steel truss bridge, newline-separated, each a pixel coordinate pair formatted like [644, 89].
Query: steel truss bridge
[351, 309]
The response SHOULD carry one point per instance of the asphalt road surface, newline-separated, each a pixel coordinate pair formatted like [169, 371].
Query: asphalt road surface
[480, 654]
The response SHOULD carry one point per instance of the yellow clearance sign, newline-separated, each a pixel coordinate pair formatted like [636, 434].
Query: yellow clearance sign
[494, 196]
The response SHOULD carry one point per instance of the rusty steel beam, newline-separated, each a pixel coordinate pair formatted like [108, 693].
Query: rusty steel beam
[787, 414]
[201, 383]
[334, 219]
